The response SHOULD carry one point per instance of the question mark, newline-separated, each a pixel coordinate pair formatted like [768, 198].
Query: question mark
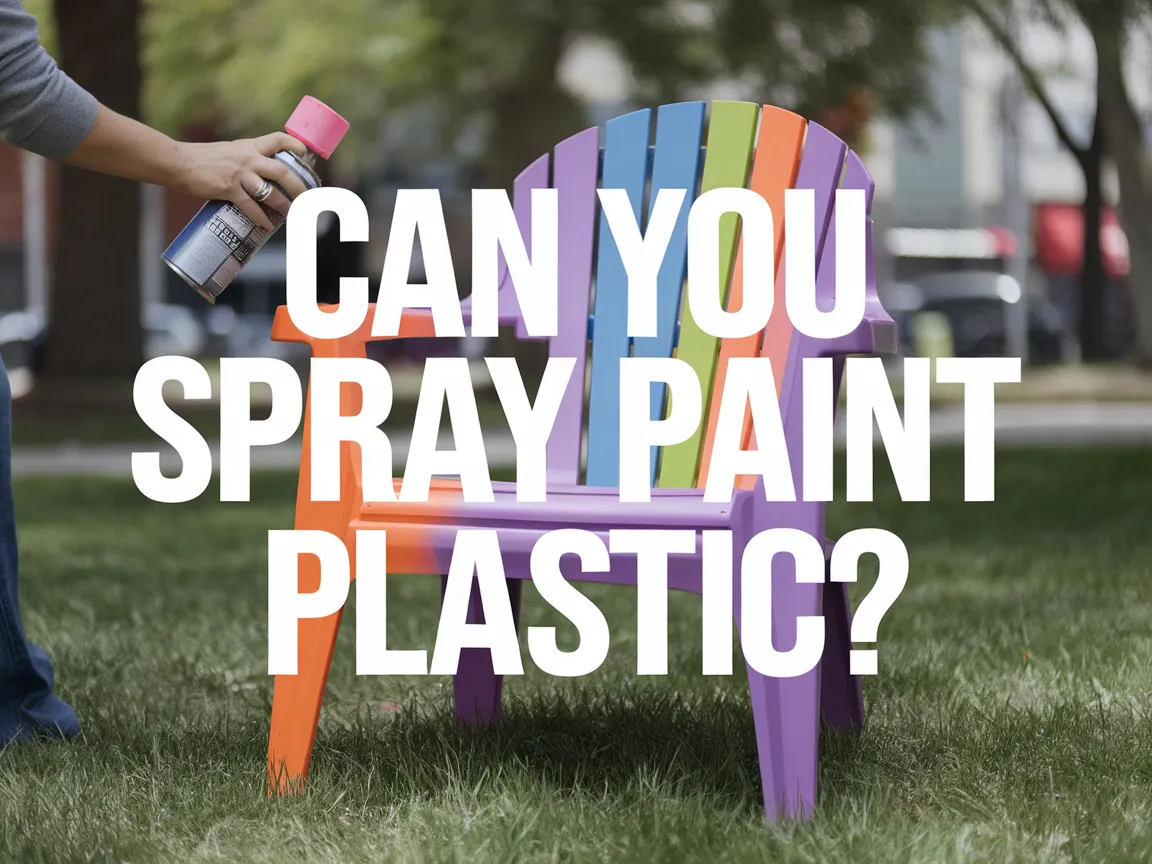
[891, 580]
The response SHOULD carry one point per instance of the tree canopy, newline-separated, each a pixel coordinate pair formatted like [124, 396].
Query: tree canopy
[1117, 133]
[246, 65]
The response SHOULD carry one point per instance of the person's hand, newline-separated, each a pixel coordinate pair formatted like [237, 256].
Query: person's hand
[235, 170]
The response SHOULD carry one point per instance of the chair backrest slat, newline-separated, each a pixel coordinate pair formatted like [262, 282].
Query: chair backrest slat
[774, 168]
[574, 177]
[856, 176]
[820, 169]
[676, 164]
[731, 130]
[625, 166]
[535, 176]
[827, 155]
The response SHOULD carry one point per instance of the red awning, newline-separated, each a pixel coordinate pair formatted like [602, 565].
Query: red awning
[1059, 237]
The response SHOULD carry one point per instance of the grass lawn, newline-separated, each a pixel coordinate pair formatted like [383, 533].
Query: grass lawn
[1072, 383]
[1010, 720]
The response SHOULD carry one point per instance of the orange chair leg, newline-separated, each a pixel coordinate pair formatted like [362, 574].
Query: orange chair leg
[296, 704]
[296, 699]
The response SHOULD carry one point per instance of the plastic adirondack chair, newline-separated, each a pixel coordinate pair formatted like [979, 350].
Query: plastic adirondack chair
[733, 149]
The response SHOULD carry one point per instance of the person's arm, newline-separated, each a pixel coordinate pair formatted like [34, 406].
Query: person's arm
[225, 170]
[44, 111]
[41, 109]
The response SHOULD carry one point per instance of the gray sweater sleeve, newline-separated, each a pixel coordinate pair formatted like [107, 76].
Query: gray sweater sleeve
[41, 108]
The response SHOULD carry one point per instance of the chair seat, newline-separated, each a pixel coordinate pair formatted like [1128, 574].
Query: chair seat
[422, 535]
[592, 508]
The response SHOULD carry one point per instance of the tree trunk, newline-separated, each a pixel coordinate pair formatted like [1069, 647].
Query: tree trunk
[530, 117]
[849, 120]
[95, 332]
[1093, 279]
[1134, 170]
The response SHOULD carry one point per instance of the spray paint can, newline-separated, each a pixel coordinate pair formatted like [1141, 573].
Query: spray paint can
[214, 247]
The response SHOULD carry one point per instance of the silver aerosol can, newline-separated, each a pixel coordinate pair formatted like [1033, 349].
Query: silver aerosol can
[214, 247]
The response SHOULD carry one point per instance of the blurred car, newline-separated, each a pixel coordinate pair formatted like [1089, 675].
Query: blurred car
[244, 334]
[20, 333]
[261, 286]
[168, 329]
[976, 305]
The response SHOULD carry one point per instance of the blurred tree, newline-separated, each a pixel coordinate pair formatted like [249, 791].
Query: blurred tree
[246, 66]
[1113, 24]
[95, 331]
[848, 120]
[1117, 132]
[837, 62]
[499, 61]
[42, 10]
[494, 65]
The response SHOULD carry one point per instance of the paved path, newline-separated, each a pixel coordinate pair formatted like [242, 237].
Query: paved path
[1054, 424]
[116, 459]
[1029, 423]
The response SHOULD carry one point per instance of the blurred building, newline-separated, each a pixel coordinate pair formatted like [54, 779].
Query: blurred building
[950, 175]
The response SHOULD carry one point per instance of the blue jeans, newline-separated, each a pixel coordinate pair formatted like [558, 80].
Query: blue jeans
[28, 707]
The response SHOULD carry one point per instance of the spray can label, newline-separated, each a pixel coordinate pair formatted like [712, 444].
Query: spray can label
[214, 247]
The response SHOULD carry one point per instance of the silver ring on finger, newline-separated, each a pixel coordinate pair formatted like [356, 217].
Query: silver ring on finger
[263, 192]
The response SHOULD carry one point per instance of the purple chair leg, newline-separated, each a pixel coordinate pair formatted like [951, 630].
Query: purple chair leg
[765, 695]
[841, 701]
[799, 698]
[786, 711]
[840, 696]
[476, 689]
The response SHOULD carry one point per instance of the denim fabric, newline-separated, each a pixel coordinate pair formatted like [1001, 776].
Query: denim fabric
[28, 707]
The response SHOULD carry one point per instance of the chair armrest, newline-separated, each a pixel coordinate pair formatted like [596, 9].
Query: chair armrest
[876, 333]
[416, 323]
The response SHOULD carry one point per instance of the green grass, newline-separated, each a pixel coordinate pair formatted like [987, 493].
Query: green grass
[1009, 722]
[1073, 383]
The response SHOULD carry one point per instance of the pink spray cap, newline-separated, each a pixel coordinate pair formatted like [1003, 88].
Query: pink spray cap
[316, 125]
